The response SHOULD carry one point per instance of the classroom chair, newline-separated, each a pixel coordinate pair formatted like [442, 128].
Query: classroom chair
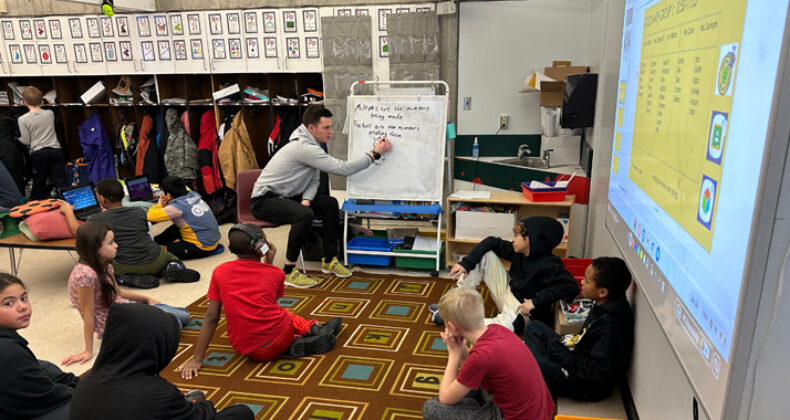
[245, 180]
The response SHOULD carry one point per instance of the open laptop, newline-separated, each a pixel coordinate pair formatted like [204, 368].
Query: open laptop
[140, 189]
[83, 199]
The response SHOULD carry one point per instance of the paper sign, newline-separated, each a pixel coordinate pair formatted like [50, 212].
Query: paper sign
[194, 24]
[8, 30]
[60, 53]
[311, 47]
[219, 49]
[97, 55]
[293, 47]
[250, 22]
[148, 50]
[252, 48]
[180, 49]
[233, 23]
[290, 21]
[93, 27]
[106, 27]
[25, 29]
[270, 46]
[143, 26]
[110, 53]
[269, 24]
[215, 23]
[80, 54]
[196, 46]
[123, 25]
[310, 21]
[41, 29]
[160, 23]
[234, 45]
[44, 54]
[164, 50]
[125, 48]
[16, 53]
[176, 25]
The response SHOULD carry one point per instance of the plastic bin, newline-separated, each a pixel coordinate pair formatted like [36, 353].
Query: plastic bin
[364, 243]
[577, 266]
[420, 263]
[544, 194]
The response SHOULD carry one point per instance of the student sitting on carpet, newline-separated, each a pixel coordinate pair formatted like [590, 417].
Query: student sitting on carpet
[125, 383]
[499, 365]
[31, 388]
[137, 252]
[537, 277]
[92, 286]
[588, 365]
[257, 326]
[194, 233]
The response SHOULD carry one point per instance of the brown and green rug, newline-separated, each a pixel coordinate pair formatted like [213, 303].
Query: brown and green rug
[388, 360]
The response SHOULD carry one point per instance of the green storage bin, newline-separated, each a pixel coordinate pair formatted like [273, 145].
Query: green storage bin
[420, 263]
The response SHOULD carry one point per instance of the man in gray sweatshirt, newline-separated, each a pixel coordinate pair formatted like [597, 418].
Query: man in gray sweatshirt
[286, 191]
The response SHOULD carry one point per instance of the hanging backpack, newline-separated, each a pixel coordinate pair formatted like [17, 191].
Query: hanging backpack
[77, 172]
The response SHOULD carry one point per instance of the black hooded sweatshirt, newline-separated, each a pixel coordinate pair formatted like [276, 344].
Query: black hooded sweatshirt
[602, 354]
[28, 389]
[541, 276]
[139, 341]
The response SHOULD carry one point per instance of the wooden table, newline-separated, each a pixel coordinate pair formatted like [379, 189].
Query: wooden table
[20, 241]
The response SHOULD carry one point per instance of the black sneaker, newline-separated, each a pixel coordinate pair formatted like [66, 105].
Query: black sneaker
[332, 327]
[140, 281]
[434, 308]
[177, 272]
[314, 344]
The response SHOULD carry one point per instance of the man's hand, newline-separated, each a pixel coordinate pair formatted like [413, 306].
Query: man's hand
[457, 270]
[526, 307]
[190, 369]
[65, 207]
[383, 146]
[306, 203]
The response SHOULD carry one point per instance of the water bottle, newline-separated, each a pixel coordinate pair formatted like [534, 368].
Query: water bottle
[476, 150]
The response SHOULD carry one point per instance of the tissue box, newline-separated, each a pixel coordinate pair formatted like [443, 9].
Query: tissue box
[94, 94]
[480, 225]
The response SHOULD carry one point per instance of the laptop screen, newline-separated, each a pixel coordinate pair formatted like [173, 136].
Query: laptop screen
[138, 188]
[80, 198]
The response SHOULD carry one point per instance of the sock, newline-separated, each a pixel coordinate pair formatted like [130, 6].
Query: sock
[288, 268]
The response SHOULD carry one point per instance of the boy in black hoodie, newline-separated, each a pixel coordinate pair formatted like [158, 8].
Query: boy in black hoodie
[588, 365]
[139, 341]
[537, 277]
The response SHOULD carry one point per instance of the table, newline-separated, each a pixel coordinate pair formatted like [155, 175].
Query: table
[20, 241]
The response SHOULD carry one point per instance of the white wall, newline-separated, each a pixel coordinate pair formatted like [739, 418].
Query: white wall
[500, 43]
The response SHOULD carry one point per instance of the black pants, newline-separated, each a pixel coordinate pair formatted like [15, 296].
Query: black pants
[291, 211]
[537, 337]
[47, 163]
[171, 238]
[236, 412]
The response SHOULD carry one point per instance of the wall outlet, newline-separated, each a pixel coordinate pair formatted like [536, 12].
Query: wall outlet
[467, 103]
[504, 120]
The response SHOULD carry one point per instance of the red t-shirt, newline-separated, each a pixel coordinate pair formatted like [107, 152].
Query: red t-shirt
[249, 291]
[506, 369]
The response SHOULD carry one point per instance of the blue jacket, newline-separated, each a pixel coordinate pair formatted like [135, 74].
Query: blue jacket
[96, 147]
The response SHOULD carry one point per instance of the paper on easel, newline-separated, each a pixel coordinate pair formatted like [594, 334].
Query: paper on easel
[533, 81]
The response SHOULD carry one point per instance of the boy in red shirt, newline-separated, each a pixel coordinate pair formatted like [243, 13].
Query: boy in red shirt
[257, 326]
[499, 364]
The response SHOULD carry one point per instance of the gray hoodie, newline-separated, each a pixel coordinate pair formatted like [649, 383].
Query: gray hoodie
[295, 169]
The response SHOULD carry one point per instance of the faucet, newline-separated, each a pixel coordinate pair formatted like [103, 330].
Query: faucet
[547, 157]
[523, 151]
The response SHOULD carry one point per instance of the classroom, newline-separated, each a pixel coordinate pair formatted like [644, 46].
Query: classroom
[349, 206]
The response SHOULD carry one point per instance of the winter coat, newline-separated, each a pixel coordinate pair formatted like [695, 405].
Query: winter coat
[540, 276]
[96, 148]
[181, 152]
[207, 153]
[236, 153]
[149, 161]
[139, 341]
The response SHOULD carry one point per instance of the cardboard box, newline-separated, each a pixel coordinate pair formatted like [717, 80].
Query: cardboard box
[551, 82]
[561, 326]
[480, 225]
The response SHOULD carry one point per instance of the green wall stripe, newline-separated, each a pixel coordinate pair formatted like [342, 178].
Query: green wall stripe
[501, 145]
[495, 175]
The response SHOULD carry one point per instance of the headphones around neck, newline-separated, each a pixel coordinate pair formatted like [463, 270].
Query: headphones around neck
[259, 244]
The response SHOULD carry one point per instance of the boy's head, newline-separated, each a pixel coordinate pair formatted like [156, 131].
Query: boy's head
[462, 309]
[173, 186]
[32, 96]
[110, 192]
[606, 279]
[537, 236]
[243, 239]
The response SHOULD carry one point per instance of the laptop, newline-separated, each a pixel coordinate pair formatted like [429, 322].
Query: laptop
[140, 189]
[83, 199]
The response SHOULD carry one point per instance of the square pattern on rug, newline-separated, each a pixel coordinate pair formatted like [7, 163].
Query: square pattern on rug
[388, 360]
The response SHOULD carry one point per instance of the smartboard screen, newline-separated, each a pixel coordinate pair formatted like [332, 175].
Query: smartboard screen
[697, 81]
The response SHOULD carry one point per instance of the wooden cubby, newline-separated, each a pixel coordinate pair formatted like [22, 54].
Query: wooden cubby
[259, 118]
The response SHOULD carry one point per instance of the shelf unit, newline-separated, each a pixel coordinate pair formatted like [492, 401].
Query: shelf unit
[259, 117]
[526, 208]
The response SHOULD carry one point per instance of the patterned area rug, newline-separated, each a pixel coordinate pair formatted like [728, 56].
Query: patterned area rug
[388, 360]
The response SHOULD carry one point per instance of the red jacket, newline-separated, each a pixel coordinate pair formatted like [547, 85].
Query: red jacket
[207, 153]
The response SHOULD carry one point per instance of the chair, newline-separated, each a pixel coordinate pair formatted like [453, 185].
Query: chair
[245, 180]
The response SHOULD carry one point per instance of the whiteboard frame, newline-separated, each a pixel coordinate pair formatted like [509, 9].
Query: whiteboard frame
[436, 196]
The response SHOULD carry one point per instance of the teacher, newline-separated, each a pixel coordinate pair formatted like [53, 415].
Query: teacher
[285, 191]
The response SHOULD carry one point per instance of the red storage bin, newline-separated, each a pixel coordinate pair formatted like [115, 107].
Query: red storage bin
[544, 194]
[577, 266]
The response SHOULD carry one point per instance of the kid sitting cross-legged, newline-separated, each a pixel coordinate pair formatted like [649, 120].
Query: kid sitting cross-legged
[499, 364]
[257, 326]
[588, 365]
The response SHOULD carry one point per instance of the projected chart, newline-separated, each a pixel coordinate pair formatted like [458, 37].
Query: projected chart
[687, 69]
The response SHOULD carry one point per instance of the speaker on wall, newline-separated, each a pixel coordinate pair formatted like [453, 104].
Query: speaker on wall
[578, 100]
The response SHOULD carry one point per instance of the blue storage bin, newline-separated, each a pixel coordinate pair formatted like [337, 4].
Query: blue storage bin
[363, 243]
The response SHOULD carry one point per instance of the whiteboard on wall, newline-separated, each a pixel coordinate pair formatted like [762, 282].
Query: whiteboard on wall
[416, 126]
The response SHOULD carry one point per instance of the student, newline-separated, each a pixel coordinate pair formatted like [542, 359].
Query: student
[31, 389]
[498, 364]
[194, 233]
[125, 383]
[92, 286]
[37, 132]
[537, 277]
[257, 325]
[286, 191]
[9, 193]
[588, 365]
[137, 252]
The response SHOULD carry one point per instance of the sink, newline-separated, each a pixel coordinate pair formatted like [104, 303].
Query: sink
[529, 162]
